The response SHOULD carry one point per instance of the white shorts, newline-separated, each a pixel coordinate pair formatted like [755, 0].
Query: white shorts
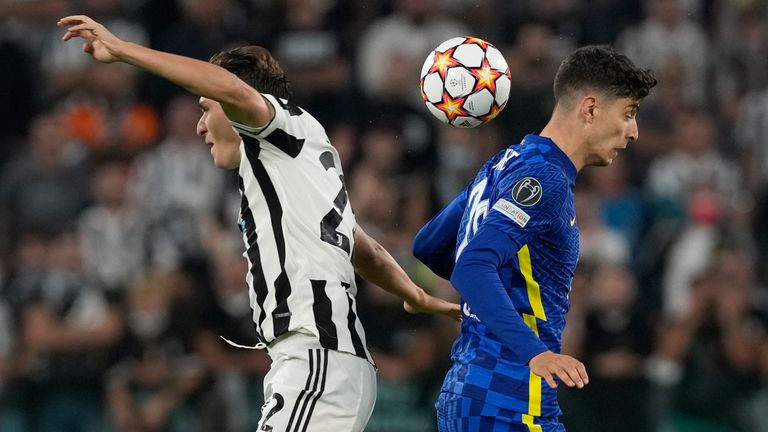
[313, 389]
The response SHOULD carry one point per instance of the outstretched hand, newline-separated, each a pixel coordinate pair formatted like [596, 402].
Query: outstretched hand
[99, 42]
[570, 371]
[429, 304]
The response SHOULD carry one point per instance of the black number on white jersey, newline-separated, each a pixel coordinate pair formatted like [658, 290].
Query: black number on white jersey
[332, 220]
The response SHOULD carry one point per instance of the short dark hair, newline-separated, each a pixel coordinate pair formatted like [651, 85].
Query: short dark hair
[601, 68]
[256, 67]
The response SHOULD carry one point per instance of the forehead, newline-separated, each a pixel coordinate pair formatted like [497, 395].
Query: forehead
[624, 103]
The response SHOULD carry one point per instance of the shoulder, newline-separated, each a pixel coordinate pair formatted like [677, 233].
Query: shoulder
[535, 181]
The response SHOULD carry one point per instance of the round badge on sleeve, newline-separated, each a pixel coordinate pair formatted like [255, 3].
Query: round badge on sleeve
[527, 192]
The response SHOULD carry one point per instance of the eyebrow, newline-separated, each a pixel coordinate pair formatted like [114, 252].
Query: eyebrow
[635, 107]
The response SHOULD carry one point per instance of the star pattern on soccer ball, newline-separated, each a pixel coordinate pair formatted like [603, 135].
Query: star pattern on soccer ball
[495, 110]
[486, 77]
[451, 107]
[483, 44]
[443, 61]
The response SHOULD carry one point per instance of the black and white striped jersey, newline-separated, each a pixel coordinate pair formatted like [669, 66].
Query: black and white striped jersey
[298, 229]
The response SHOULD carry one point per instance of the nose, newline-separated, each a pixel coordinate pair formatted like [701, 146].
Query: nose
[201, 129]
[633, 132]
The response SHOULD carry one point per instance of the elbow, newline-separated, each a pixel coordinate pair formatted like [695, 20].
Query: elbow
[420, 247]
[419, 251]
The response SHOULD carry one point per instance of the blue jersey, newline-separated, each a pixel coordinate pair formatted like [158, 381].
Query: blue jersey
[509, 243]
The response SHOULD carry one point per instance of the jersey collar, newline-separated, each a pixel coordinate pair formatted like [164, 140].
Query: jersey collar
[553, 153]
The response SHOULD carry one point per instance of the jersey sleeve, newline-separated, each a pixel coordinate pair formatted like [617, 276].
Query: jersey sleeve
[285, 133]
[435, 243]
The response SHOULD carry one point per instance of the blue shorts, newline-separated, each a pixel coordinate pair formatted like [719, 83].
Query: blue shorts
[456, 413]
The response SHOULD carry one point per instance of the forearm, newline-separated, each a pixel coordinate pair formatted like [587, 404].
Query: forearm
[376, 265]
[198, 77]
[476, 278]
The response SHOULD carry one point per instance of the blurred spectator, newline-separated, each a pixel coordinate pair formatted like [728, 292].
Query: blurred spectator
[393, 48]
[693, 162]
[149, 389]
[668, 35]
[404, 349]
[598, 243]
[236, 391]
[620, 204]
[21, 20]
[461, 152]
[614, 344]
[177, 187]
[718, 343]
[602, 21]
[658, 123]
[113, 231]
[533, 61]
[314, 56]
[65, 68]
[742, 53]
[17, 84]
[45, 188]
[69, 331]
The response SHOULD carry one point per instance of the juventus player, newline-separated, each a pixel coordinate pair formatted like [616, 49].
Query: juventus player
[303, 245]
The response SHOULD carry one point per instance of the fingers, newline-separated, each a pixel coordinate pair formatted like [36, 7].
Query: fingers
[573, 374]
[454, 311]
[570, 377]
[550, 380]
[73, 19]
[582, 373]
[569, 370]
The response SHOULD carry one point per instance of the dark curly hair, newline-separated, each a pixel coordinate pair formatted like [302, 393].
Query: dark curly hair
[601, 68]
[256, 67]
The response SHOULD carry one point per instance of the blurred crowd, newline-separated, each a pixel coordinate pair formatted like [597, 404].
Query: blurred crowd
[121, 264]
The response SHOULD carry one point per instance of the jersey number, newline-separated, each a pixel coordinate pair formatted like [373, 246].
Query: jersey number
[477, 211]
[329, 225]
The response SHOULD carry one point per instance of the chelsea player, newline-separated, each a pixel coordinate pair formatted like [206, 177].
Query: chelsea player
[509, 244]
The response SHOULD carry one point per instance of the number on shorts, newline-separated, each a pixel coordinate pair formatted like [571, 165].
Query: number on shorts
[272, 406]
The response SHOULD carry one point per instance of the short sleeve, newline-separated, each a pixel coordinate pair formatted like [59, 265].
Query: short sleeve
[278, 120]
[286, 133]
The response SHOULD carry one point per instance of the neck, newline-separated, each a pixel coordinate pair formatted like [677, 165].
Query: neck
[566, 134]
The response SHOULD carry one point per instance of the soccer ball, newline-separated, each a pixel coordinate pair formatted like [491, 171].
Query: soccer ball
[465, 82]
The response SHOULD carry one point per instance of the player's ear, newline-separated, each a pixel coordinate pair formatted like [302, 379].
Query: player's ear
[587, 108]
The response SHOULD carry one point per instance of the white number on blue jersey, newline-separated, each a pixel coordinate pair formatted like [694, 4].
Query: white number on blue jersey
[477, 210]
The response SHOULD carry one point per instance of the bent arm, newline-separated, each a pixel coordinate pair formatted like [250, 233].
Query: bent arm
[476, 278]
[376, 265]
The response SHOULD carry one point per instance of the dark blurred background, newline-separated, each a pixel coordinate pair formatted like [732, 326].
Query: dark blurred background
[120, 261]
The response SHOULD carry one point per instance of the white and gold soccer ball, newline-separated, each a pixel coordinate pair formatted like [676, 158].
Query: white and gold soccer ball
[465, 82]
